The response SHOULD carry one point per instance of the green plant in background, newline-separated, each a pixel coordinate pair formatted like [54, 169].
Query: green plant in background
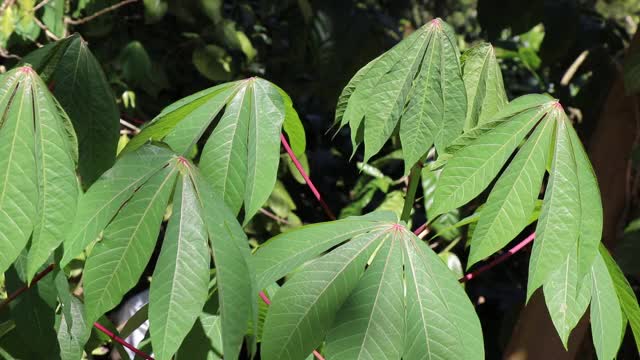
[363, 286]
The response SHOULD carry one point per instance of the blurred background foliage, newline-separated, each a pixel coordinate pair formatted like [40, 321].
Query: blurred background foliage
[155, 52]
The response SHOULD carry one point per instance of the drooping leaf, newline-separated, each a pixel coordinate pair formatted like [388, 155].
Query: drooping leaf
[371, 322]
[512, 200]
[626, 296]
[606, 315]
[567, 299]
[293, 126]
[116, 263]
[82, 89]
[431, 291]
[104, 199]
[483, 81]
[181, 279]
[18, 182]
[285, 252]
[557, 230]
[302, 311]
[234, 271]
[590, 208]
[73, 339]
[474, 166]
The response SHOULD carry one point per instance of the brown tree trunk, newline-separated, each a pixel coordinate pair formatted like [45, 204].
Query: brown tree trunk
[534, 336]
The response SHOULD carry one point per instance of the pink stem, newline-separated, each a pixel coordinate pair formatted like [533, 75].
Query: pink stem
[306, 178]
[420, 229]
[499, 259]
[121, 341]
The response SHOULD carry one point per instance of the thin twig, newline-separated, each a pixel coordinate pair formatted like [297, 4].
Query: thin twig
[18, 292]
[46, 30]
[98, 13]
[41, 4]
[499, 259]
[121, 341]
[7, 55]
[273, 216]
[129, 125]
[306, 178]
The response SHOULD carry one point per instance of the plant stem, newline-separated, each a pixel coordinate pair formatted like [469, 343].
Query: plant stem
[18, 292]
[121, 341]
[414, 179]
[306, 178]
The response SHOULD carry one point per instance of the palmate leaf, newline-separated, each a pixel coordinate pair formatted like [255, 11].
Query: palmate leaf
[483, 81]
[78, 82]
[38, 186]
[240, 158]
[370, 305]
[418, 84]
[181, 279]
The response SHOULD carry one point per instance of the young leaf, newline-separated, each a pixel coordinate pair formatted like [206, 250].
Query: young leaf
[371, 322]
[285, 252]
[557, 230]
[473, 167]
[304, 308]
[234, 272]
[432, 291]
[181, 278]
[626, 296]
[483, 81]
[116, 263]
[103, 200]
[606, 315]
[512, 200]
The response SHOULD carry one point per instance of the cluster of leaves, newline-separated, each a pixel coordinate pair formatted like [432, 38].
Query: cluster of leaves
[358, 287]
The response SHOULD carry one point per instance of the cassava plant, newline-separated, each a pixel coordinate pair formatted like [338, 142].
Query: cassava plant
[360, 287]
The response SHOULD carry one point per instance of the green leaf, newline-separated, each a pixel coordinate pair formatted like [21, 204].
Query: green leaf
[18, 179]
[557, 230]
[72, 340]
[181, 278]
[225, 155]
[626, 296]
[116, 263]
[303, 310]
[284, 253]
[82, 89]
[204, 341]
[105, 198]
[443, 225]
[606, 315]
[441, 322]
[234, 271]
[197, 111]
[293, 126]
[371, 322]
[473, 167]
[567, 299]
[483, 81]
[590, 208]
[267, 116]
[436, 109]
[512, 200]
[57, 184]
[345, 95]
[53, 17]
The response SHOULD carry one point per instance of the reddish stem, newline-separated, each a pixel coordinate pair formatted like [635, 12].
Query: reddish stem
[499, 259]
[306, 178]
[420, 229]
[35, 280]
[121, 341]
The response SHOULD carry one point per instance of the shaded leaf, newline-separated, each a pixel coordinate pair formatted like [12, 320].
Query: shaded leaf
[606, 315]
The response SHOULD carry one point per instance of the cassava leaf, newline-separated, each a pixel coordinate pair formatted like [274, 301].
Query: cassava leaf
[512, 200]
[473, 167]
[285, 252]
[116, 263]
[103, 200]
[606, 315]
[371, 322]
[483, 81]
[73, 339]
[304, 308]
[181, 277]
[557, 230]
